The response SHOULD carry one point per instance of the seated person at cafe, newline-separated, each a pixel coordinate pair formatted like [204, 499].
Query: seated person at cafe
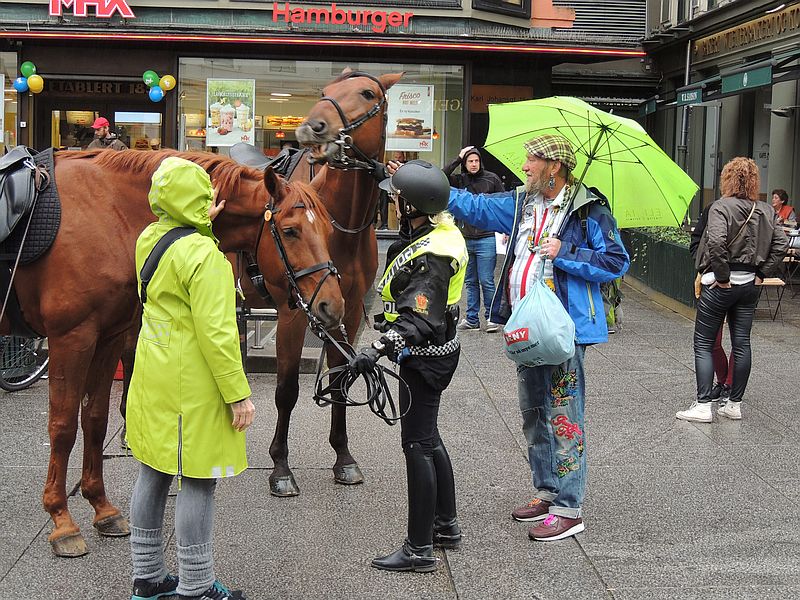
[780, 202]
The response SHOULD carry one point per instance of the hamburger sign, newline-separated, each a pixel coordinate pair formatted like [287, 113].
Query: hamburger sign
[410, 124]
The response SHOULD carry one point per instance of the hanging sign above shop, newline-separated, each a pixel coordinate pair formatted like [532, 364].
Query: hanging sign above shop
[102, 8]
[764, 29]
[376, 20]
[409, 126]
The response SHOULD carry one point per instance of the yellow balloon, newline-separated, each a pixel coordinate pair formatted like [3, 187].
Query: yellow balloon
[167, 82]
[35, 83]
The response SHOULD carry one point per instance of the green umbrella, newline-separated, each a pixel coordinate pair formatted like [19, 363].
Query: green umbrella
[615, 155]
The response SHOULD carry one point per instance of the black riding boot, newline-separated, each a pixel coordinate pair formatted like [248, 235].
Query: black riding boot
[446, 532]
[416, 554]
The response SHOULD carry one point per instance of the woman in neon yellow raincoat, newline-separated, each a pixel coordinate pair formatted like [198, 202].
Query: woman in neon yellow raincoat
[188, 402]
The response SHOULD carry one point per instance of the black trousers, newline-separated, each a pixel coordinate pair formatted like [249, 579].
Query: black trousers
[420, 425]
[739, 304]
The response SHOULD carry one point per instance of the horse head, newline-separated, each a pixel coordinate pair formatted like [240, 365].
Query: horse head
[300, 227]
[348, 124]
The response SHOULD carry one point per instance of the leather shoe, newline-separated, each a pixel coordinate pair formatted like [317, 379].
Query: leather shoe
[446, 535]
[419, 559]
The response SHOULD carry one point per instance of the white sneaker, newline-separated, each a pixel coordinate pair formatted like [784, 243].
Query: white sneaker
[698, 411]
[466, 325]
[492, 327]
[732, 410]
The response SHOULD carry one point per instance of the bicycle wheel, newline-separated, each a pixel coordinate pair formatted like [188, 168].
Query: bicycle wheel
[23, 361]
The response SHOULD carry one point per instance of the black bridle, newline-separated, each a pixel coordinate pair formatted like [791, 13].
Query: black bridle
[341, 160]
[295, 295]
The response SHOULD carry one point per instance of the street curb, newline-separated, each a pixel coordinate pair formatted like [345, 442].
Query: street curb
[657, 297]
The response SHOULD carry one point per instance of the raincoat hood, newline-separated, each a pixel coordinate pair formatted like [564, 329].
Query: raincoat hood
[181, 194]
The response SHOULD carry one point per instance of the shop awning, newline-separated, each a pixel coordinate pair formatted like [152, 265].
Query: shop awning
[649, 106]
[783, 71]
[695, 93]
[748, 77]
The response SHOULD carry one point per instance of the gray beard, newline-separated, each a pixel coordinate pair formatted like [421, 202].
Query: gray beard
[534, 188]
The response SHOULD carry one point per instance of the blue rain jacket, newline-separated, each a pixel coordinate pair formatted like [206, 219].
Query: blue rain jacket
[582, 264]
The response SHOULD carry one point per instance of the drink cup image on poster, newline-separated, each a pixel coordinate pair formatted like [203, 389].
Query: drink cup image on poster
[230, 105]
[410, 118]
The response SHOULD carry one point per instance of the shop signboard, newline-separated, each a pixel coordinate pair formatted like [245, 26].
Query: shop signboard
[690, 97]
[753, 78]
[410, 118]
[230, 104]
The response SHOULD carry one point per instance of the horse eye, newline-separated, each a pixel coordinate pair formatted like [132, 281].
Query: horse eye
[290, 232]
[368, 94]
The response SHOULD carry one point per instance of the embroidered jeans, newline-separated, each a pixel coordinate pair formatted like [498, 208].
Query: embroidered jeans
[551, 400]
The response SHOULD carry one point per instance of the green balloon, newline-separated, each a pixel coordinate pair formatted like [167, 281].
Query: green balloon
[150, 78]
[27, 68]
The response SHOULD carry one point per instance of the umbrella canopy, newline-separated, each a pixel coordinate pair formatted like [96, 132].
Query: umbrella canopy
[614, 154]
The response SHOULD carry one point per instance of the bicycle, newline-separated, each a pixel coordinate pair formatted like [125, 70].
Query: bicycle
[23, 361]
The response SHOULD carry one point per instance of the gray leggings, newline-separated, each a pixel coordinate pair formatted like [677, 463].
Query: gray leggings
[194, 524]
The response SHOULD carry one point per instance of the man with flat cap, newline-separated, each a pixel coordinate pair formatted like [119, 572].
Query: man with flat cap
[574, 247]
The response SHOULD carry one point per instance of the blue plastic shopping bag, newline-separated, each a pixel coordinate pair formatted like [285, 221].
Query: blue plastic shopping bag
[540, 331]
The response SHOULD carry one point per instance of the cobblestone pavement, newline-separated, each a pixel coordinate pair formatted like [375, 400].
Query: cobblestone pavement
[674, 510]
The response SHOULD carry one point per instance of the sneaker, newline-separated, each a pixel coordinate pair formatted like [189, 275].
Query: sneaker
[716, 391]
[699, 412]
[216, 592]
[535, 510]
[732, 410]
[467, 325]
[492, 327]
[555, 527]
[150, 590]
[724, 396]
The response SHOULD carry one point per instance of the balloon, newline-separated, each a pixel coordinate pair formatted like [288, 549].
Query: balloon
[21, 84]
[167, 83]
[27, 68]
[156, 94]
[35, 83]
[150, 78]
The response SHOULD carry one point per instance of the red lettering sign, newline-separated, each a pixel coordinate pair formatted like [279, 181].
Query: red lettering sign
[518, 335]
[377, 20]
[103, 8]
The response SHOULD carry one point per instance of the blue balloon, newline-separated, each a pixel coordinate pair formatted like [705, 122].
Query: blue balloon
[21, 84]
[156, 93]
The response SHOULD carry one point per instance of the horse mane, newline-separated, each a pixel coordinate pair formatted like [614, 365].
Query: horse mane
[225, 173]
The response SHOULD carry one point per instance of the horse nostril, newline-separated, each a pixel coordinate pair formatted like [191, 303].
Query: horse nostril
[318, 126]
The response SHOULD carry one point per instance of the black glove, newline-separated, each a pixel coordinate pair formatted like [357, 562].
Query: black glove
[364, 361]
[378, 171]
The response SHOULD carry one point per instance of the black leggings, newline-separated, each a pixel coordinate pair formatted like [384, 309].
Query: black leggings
[739, 304]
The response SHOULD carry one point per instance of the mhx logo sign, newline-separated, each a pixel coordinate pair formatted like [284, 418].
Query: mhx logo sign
[103, 8]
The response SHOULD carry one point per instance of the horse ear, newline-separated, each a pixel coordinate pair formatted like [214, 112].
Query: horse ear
[390, 79]
[347, 71]
[318, 183]
[274, 185]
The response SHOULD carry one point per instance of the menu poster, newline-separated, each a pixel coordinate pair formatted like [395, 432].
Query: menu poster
[230, 105]
[410, 124]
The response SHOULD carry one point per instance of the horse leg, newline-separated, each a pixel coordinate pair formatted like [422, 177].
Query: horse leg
[94, 421]
[289, 345]
[68, 373]
[128, 358]
[346, 470]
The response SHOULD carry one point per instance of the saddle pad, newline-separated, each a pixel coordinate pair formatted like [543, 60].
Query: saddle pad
[45, 221]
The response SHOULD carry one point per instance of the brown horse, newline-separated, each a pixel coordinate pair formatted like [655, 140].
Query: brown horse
[82, 294]
[353, 110]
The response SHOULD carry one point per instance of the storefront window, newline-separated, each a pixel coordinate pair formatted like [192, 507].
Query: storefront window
[224, 101]
[8, 117]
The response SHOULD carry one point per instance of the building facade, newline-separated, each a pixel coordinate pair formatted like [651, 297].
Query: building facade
[729, 87]
[248, 70]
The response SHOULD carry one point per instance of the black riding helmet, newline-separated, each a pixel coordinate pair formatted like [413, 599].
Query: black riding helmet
[421, 185]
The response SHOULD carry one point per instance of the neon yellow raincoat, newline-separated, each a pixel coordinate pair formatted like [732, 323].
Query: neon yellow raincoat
[188, 363]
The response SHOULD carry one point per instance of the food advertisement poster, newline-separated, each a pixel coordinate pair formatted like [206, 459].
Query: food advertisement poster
[410, 124]
[230, 105]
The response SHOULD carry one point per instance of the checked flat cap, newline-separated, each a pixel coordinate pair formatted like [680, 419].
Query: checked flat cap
[552, 147]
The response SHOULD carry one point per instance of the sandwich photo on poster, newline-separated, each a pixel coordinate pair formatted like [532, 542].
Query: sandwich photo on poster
[409, 126]
[230, 105]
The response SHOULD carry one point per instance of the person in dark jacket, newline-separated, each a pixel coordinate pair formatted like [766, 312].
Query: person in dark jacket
[480, 243]
[420, 289]
[741, 245]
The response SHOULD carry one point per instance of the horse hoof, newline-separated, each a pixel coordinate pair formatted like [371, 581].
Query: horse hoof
[348, 474]
[283, 486]
[113, 526]
[70, 546]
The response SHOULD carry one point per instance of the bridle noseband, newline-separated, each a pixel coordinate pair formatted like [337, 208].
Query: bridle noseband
[341, 160]
[295, 295]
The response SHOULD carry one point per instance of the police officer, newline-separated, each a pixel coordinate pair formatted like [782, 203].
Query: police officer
[420, 289]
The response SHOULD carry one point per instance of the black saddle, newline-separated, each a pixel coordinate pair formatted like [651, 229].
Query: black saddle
[284, 163]
[18, 186]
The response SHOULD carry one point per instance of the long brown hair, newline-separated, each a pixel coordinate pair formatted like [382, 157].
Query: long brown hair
[740, 179]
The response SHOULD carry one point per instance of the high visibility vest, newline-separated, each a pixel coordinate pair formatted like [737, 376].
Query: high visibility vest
[444, 240]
